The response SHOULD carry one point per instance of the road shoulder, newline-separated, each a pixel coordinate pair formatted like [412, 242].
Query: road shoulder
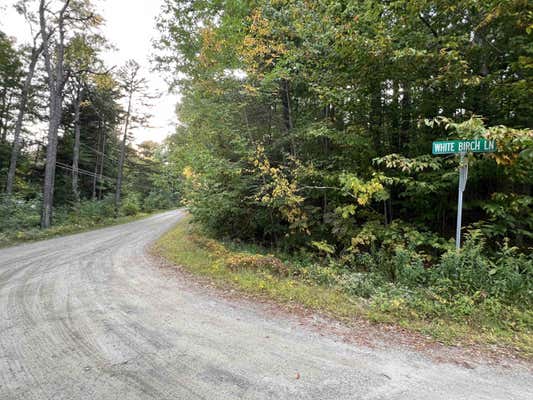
[202, 271]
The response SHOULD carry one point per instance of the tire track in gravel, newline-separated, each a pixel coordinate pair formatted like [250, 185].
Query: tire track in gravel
[137, 341]
[90, 316]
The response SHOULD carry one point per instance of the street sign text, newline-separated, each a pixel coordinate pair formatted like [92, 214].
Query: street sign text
[464, 146]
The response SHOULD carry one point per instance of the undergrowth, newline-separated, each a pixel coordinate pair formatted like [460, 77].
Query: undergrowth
[20, 219]
[464, 299]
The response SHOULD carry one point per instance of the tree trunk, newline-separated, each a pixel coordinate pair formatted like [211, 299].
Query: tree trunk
[287, 112]
[76, 149]
[6, 118]
[20, 119]
[56, 81]
[50, 169]
[97, 161]
[102, 159]
[405, 115]
[122, 154]
[3, 114]
[120, 171]
[395, 118]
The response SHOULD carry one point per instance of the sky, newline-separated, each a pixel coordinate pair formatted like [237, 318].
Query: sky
[130, 27]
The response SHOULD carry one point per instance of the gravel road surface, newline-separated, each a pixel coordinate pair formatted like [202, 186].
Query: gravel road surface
[92, 316]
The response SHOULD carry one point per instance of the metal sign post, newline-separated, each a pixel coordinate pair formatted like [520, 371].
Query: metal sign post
[463, 177]
[462, 147]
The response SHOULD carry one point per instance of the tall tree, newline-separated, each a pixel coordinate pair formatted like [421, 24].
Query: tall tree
[135, 90]
[82, 58]
[35, 52]
[55, 26]
[10, 76]
[54, 53]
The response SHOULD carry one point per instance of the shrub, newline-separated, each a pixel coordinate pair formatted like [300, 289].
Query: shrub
[374, 236]
[465, 271]
[213, 246]
[509, 216]
[512, 275]
[256, 262]
[398, 264]
[316, 273]
[507, 276]
[131, 205]
[410, 268]
[96, 211]
[361, 284]
[17, 213]
[158, 201]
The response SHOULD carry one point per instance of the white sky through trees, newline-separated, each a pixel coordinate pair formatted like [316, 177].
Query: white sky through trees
[130, 27]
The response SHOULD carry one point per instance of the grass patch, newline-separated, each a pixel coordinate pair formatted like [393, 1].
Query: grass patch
[35, 234]
[321, 288]
[211, 259]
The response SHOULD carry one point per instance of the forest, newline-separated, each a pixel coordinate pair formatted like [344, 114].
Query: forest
[303, 148]
[312, 122]
[306, 132]
[68, 158]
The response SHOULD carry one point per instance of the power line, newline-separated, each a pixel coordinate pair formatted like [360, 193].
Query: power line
[115, 160]
[85, 172]
[106, 157]
[99, 152]
[98, 177]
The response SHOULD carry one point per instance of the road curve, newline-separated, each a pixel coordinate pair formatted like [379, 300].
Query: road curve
[90, 316]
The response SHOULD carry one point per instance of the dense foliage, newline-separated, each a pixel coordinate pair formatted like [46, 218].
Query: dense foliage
[307, 126]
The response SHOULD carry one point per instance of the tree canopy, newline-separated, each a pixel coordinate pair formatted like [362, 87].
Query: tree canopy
[309, 124]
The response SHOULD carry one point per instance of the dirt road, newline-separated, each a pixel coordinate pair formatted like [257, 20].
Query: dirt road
[91, 316]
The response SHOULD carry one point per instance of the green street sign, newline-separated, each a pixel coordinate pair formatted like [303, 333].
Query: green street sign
[464, 146]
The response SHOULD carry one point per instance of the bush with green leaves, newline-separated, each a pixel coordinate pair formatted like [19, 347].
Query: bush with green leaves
[361, 284]
[374, 236]
[96, 211]
[318, 273]
[455, 283]
[17, 213]
[131, 205]
[506, 275]
[158, 201]
[509, 216]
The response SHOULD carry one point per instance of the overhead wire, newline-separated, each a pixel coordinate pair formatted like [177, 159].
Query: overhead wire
[85, 172]
[146, 167]
[97, 176]
[110, 160]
